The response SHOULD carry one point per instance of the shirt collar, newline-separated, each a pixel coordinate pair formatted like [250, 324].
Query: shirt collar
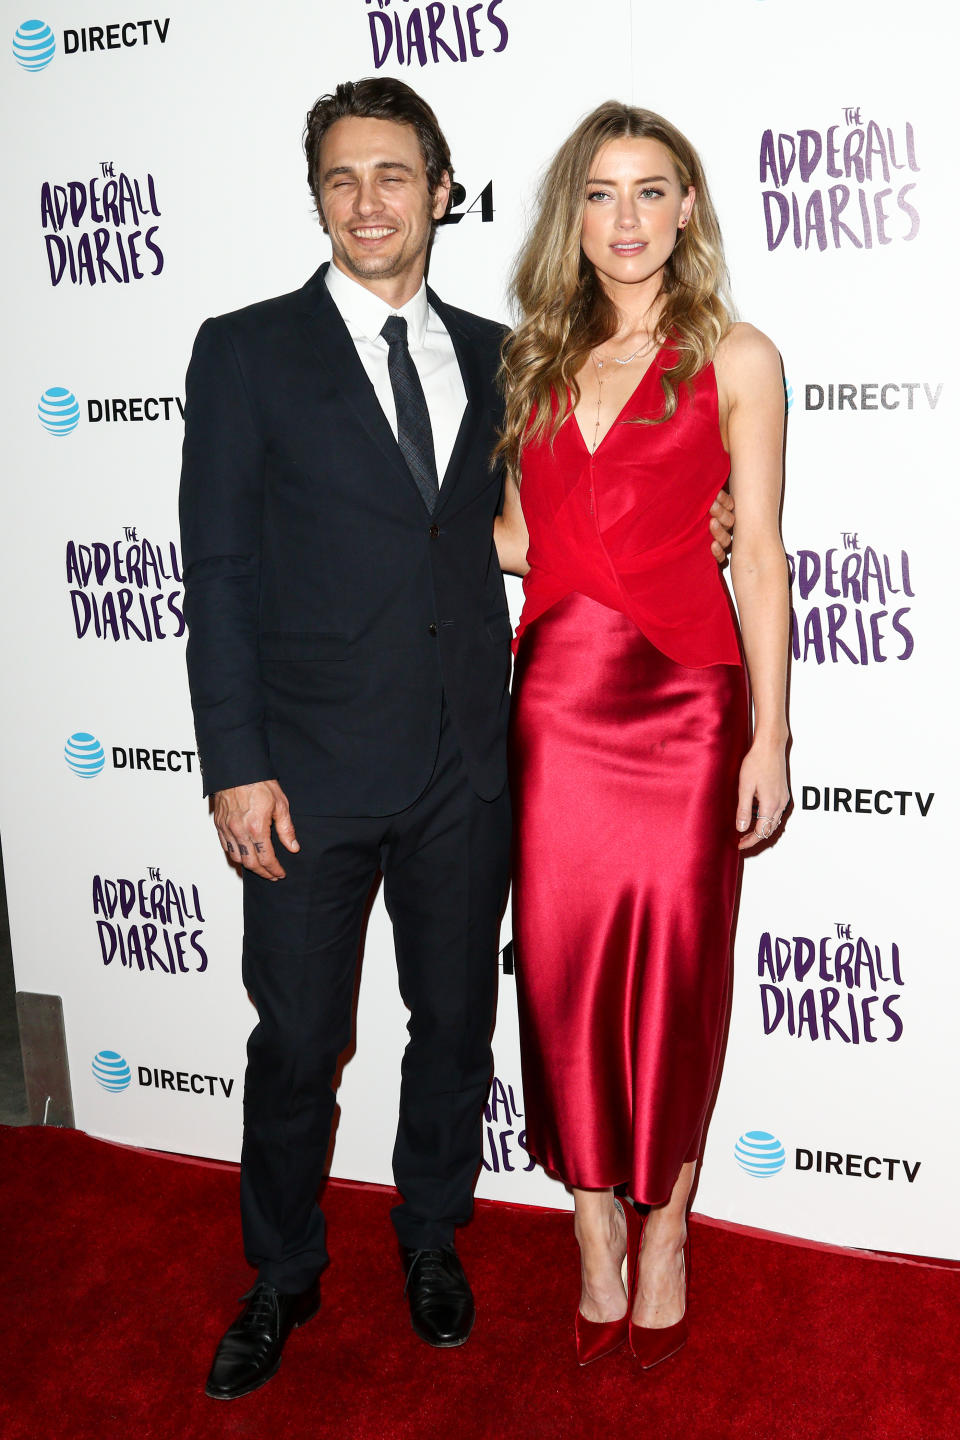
[364, 312]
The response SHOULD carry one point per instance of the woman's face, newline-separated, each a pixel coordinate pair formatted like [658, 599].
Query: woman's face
[634, 204]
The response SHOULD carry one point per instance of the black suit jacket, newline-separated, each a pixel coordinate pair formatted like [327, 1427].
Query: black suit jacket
[328, 611]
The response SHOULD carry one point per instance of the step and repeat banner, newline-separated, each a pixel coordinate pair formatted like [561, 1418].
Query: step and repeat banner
[154, 177]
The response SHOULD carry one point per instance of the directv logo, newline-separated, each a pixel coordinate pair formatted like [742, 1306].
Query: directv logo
[111, 1071]
[58, 410]
[760, 1154]
[84, 755]
[34, 45]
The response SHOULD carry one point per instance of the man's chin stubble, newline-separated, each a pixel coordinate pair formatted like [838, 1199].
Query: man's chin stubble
[382, 269]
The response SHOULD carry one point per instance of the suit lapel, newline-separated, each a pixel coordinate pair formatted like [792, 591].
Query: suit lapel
[473, 384]
[331, 343]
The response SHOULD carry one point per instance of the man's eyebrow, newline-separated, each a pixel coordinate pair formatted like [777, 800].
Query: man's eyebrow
[381, 165]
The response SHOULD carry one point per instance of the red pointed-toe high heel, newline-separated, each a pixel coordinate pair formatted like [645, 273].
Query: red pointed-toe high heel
[596, 1338]
[652, 1346]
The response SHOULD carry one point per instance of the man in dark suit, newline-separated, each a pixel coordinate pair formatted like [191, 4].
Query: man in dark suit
[348, 661]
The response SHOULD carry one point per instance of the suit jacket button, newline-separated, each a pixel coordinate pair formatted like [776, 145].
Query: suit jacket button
[432, 629]
[434, 532]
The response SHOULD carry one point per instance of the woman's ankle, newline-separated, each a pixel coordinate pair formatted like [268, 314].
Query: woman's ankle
[599, 1231]
[665, 1234]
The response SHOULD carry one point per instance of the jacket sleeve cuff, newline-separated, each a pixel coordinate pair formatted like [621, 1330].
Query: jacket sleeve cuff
[238, 759]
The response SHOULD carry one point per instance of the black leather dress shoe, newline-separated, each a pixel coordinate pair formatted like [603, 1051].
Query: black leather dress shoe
[441, 1303]
[249, 1353]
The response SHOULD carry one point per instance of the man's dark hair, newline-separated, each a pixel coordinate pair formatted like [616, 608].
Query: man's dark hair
[377, 98]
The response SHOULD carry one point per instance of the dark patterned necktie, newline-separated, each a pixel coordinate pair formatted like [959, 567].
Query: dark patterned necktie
[414, 433]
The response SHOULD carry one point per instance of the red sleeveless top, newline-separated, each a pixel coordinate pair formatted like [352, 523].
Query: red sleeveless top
[628, 525]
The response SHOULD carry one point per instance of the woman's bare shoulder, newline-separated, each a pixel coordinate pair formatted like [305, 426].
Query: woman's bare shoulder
[743, 343]
[746, 352]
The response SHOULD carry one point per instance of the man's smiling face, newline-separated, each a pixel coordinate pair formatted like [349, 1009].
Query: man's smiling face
[376, 205]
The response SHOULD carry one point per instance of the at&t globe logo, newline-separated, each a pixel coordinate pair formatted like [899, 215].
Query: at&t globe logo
[111, 1071]
[760, 1154]
[34, 45]
[58, 410]
[84, 755]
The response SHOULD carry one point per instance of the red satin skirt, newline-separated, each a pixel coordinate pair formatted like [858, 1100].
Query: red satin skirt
[624, 772]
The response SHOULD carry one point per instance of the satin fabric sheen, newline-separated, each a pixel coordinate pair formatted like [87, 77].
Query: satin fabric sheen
[624, 768]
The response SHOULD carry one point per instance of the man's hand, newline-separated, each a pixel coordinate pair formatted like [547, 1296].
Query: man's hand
[243, 816]
[721, 525]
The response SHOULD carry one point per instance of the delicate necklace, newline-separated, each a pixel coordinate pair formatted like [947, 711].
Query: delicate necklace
[611, 359]
[615, 360]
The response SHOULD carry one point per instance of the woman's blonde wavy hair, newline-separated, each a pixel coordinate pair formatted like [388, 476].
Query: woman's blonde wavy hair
[564, 310]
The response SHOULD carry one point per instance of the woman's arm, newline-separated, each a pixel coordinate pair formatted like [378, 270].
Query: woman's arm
[510, 532]
[750, 382]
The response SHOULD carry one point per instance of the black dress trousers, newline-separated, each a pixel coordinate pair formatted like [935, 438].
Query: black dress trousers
[444, 861]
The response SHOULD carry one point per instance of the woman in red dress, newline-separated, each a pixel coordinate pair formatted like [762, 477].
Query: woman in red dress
[636, 775]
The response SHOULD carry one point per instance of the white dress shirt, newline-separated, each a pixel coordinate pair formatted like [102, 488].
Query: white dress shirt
[431, 350]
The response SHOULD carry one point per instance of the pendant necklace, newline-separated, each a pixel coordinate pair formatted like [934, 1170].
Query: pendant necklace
[611, 360]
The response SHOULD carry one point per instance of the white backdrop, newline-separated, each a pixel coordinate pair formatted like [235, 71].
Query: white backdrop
[825, 134]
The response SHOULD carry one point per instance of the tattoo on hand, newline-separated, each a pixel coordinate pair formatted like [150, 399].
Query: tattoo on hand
[258, 847]
[230, 847]
[244, 850]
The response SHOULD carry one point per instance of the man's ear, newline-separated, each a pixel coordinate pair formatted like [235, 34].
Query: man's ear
[441, 196]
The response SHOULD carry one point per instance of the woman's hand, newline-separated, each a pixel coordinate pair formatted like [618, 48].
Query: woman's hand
[764, 789]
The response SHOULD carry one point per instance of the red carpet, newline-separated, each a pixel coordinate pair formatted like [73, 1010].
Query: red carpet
[121, 1269]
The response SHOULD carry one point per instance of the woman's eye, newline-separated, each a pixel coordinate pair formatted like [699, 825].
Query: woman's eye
[651, 194]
